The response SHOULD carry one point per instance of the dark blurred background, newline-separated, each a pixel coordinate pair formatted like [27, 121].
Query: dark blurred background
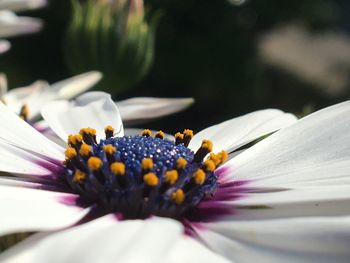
[233, 56]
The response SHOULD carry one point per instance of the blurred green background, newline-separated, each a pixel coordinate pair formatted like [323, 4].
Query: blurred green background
[233, 56]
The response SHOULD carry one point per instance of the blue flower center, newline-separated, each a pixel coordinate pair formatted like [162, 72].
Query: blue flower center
[139, 176]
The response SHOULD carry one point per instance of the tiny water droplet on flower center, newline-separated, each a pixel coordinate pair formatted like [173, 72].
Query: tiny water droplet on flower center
[139, 176]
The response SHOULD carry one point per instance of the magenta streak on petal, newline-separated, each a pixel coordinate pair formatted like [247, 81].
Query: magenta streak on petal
[39, 128]
[54, 168]
[191, 227]
[221, 172]
[70, 200]
[216, 207]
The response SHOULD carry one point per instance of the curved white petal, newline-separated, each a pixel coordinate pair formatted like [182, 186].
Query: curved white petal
[72, 87]
[18, 161]
[188, 249]
[24, 209]
[136, 110]
[318, 239]
[21, 5]
[4, 46]
[20, 134]
[93, 109]
[3, 82]
[237, 132]
[34, 96]
[12, 25]
[102, 240]
[313, 152]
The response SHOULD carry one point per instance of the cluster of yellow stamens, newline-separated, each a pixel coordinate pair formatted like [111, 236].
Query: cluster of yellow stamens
[183, 177]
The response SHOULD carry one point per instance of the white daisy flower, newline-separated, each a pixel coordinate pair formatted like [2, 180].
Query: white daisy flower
[13, 25]
[28, 101]
[115, 198]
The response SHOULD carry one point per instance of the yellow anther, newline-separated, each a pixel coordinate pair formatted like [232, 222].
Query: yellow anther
[24, 112]
[70, 152]
[160, 134]
[109, 129]
[223, 155]
[171, 177]
[146, 133]
[209, 165]
[79, 176]
[199, 177]
[85, 150]
[179, 136]
[89, 131]
[151, 179]
[207, 144]
[109, 149]
[178, 197]
[181, 163]
[147, 164]
[188, 133]
[118, 168]
[75, 139]
[215, 158]
[94, 163]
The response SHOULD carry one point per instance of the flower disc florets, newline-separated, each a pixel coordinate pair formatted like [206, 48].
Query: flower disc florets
[141, 175]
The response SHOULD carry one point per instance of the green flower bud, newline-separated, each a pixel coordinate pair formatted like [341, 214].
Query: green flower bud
[111, 36]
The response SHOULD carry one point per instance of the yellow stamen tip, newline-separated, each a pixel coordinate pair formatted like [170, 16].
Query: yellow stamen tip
[118, 168]
[89, 131]
[147, 164]
[146, 133]
[188, 133]
[215, 158]
[160, 134]
[223, 156]
[181, 163]
[209, 165]
[85, 150]
[151, 179]
[109, 149]
[24, 112]
[178, 197]
[199, 177]
[171, 177]
[208, 145]
[74, 139]
[94, 163]
[179, 135]
[70, 152]
[109, 129]
[79, 176]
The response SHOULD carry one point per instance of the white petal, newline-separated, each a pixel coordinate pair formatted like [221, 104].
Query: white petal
[102, 240]
[70, 88]
[24, 209]
[21, 5]
[12, 25]
[18, 161]
[3, 83]
[18, 133]
[234, 133]
[318, 239]
[136, 110]
[313, 152]
[34, 96]
[93, 109]
[4, 46]
[188, 249]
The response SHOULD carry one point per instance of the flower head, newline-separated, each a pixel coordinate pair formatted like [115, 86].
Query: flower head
[266, 203]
